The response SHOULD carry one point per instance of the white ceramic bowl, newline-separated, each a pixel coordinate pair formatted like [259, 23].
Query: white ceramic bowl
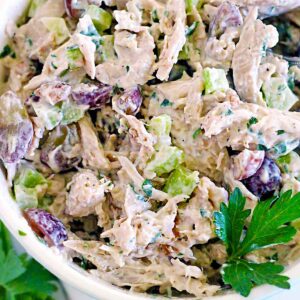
[10, 10]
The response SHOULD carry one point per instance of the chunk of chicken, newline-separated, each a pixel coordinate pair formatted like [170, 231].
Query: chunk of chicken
[86, 192]
[255, 38]
[93, 154]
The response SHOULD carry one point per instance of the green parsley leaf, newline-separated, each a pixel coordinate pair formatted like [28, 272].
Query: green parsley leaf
[268, 227]
[154, 16]
[280, 132]
[166, 102]
[147, 187]
[267, 224]
[22, 278]
[241, 275]
[252, 121]
[230, 221]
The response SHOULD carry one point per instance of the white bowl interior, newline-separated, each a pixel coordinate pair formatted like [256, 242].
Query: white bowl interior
[55, 262]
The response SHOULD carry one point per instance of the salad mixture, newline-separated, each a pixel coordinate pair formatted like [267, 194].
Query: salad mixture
[125, 125]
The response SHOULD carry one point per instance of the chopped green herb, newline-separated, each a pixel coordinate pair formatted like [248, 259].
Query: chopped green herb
[204, 213]
[191, 29]
[7, 51]
[154, 16]
[22, 233]
[53, 55]
[127, 68]
[252, 121]
[228, 112]
[281, 87]
[64, 72]
[116, 90]
[280, 132]
[53, 66]
[29, 41]
[268, 227]
[261, 147]
[147, 187]
[166, 102]
[197, 132]
[153, 96]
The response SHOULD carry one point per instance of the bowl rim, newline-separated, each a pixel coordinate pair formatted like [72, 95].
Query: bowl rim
[67, 271]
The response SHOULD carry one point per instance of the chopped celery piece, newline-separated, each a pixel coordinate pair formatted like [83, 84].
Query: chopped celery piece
[107, 49]
[29, 186]
[165, 160]
[34, 5]
[72, 112]
[161, 127]
[278, 94]
[214, 80]
[58, 27]
[75, 57]
[181, 181]
[49, 115]
[289, 163]
[100, 17]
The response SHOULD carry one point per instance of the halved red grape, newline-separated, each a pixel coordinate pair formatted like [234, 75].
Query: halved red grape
[228, 15]
[130, 101]
[46, 226]
[16, 130]
[267, 179]
[96, 96]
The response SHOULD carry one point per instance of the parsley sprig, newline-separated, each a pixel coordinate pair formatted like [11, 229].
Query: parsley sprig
[267, 228]
[21, 277]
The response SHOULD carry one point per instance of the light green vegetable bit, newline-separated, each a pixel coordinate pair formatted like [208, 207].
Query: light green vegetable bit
[277, 94]
[100, 17]
[58, 27]
[181, 181]
[161, 127]
[165, 160]
[29, 186]
[107, 49]
[75, 57]
[72, 112]
[214, 80]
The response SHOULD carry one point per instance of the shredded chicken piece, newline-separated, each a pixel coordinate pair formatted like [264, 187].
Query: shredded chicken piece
[93, 154]
[255, 38]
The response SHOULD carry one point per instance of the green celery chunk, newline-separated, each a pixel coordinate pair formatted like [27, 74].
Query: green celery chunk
[161, 127]
[29, 187]
[165, 160]
[107, 49]
[75, 57]
[100, 17]
[181, 181]
[58, 27]
[277, 94]
[72, 112]
[214, 80]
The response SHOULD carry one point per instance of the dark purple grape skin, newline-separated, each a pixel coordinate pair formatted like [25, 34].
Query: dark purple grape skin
[96, 96]
[130, 101]
[228, 15]
[267, 179]
[16, 129]
[46, 226]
